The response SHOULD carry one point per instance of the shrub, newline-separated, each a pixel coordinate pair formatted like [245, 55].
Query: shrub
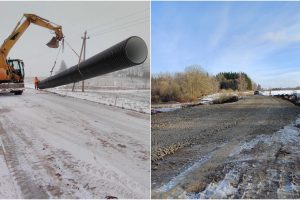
[189, 85]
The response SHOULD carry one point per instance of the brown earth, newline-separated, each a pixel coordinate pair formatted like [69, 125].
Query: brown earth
[192, 147]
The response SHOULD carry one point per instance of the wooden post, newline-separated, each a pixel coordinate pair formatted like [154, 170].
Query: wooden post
[83, 50]
[84, 53]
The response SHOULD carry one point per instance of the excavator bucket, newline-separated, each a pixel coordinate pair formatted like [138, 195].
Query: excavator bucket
[53, 43]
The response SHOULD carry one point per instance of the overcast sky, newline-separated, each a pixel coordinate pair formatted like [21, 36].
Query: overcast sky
[259, 38]
[106, 22]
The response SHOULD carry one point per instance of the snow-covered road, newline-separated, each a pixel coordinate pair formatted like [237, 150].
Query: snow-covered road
[62, 147]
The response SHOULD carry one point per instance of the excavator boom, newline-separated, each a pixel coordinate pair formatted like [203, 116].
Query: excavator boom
[12, 71]
[22, 27]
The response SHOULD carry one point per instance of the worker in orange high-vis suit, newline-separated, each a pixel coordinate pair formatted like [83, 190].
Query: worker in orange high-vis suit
[36, 83]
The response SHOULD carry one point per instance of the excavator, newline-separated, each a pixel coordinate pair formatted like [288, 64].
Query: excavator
[12, 70]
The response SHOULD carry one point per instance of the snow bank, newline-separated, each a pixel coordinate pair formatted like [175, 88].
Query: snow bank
[206, 100]
[166, 107]
[209, 98]
[174, 106]
[137, 100]
[279, 92]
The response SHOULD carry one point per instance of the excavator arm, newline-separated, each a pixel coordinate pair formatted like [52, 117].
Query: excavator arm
[21, 28]
[12, 70]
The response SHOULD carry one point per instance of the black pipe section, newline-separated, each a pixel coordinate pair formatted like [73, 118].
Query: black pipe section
[128, 53]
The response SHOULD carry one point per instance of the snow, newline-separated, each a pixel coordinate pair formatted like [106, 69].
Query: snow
[279, 92]
[61, 147]
[287, 138]
[7, 187]
[131, 99]
[188, 169]
[289, 135]
[252, 144]
[210, 98]
[262, 152]
[177, 179]
[206, 100]
[137, 100]
[220, 190]
[166, 107]
[169, 107]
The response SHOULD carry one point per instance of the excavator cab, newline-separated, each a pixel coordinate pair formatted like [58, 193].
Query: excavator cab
[18, 67]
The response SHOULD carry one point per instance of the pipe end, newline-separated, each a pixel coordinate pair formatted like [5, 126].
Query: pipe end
[136, 50]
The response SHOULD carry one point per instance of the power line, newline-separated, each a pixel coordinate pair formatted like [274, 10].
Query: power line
[71, 48]
[51, 71]
[118, 19]
[120, 28]
[122, 25]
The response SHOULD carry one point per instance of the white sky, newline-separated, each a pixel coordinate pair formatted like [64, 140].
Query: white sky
[106, 22]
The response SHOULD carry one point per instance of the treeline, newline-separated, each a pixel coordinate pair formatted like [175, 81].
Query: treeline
[235, 81]
[194, 83]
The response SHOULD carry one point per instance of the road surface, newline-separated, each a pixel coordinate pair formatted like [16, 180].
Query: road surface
[61, 147]
[234, 150]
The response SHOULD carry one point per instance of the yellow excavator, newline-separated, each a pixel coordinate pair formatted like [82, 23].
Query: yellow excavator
[12, 70]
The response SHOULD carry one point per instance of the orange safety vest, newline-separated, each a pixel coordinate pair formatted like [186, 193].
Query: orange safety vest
[36, 80]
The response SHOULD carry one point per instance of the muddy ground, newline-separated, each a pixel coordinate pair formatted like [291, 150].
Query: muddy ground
[230, 150]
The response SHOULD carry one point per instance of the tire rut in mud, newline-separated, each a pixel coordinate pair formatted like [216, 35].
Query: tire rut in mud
[205, 127]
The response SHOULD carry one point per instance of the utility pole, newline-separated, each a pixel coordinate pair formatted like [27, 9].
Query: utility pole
[84, 52]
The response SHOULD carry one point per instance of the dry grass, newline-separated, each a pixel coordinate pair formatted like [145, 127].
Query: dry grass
[159, 153]
[182, 87]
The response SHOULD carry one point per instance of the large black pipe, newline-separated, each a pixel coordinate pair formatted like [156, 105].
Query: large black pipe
[130, 52]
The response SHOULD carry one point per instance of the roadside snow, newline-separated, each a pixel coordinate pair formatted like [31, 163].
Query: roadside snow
[288, 136]
[210, 98]
[206, 100]
[222, 189]
[166, 109]
[254, 157]
[130, 99]
[177, 179]
[279, 92]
